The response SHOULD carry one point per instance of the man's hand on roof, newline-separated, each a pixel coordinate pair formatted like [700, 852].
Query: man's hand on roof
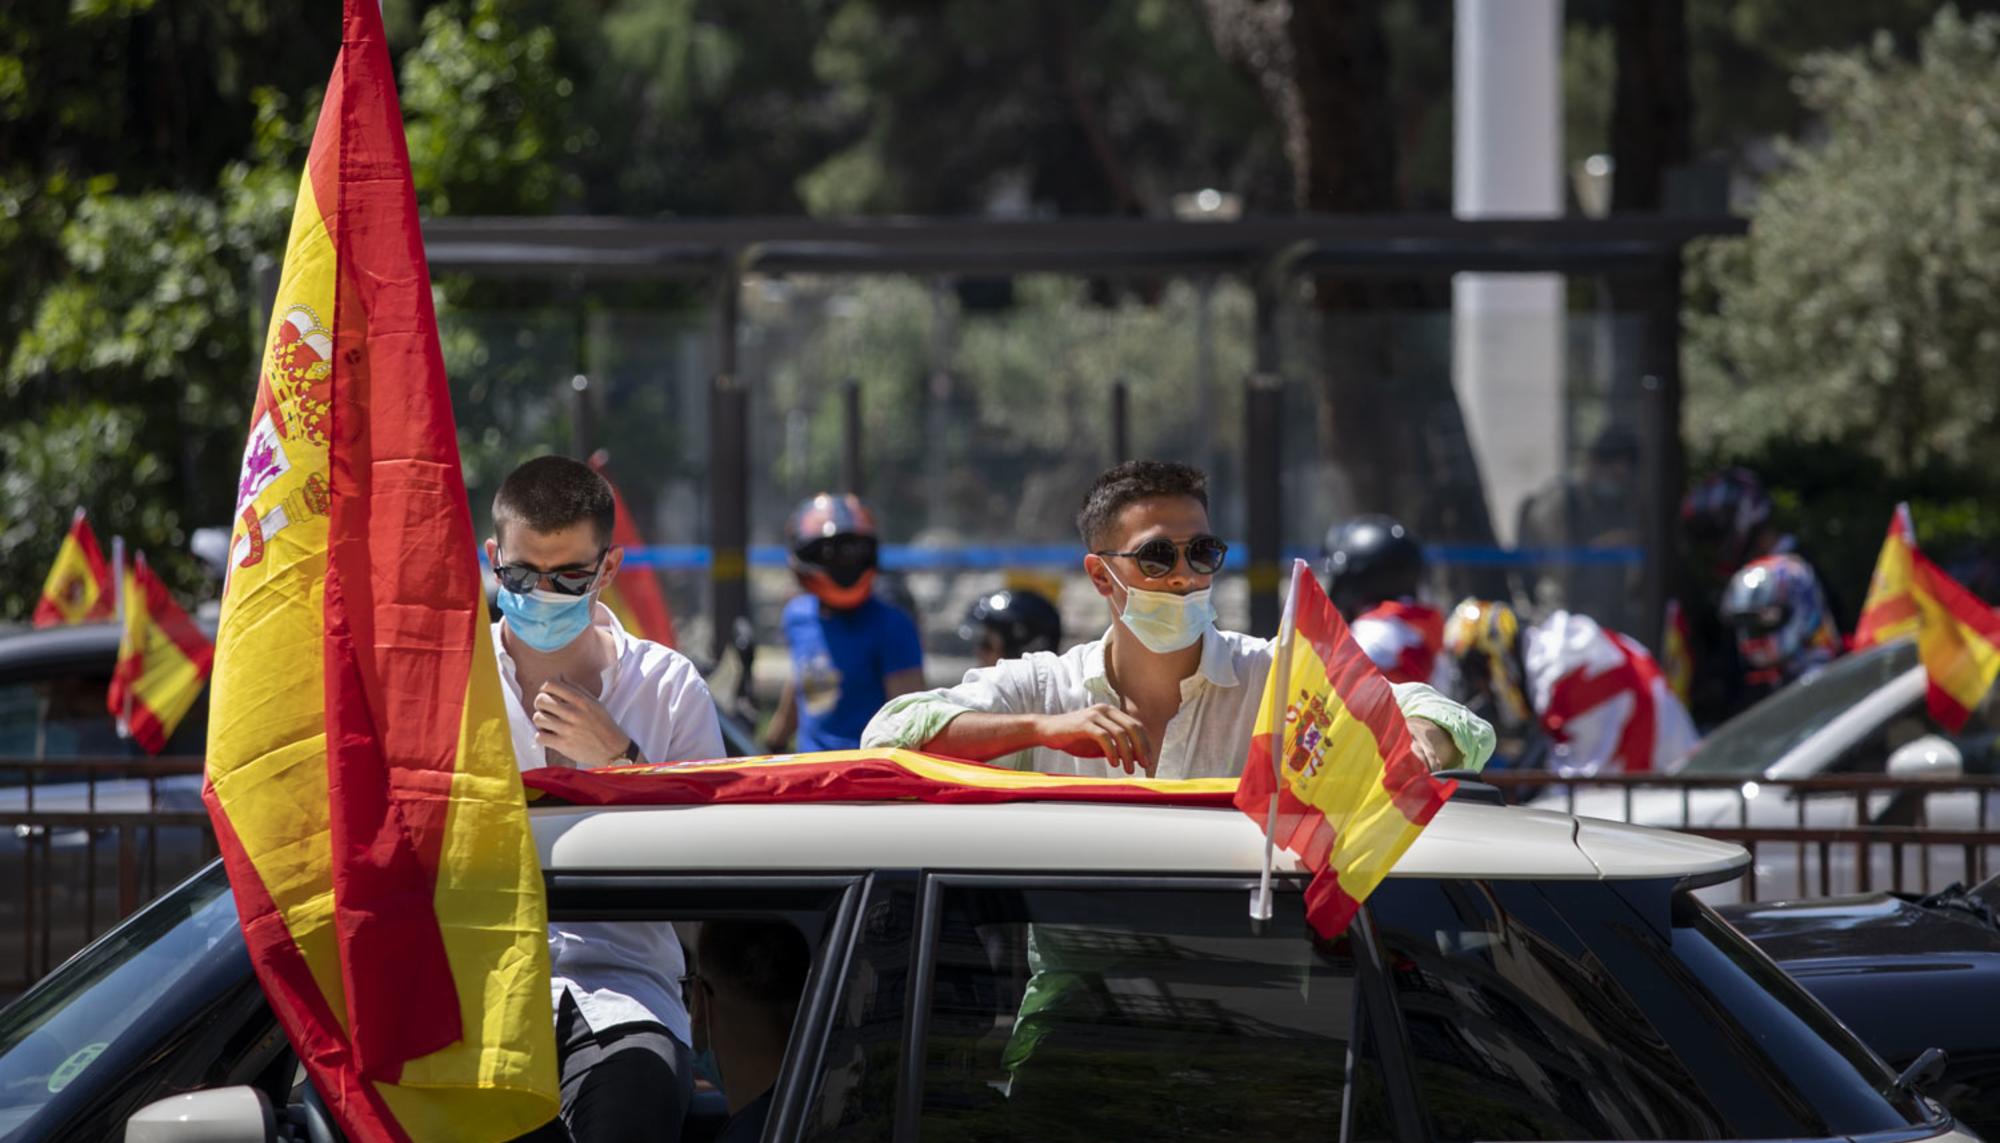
[1101, 731]
[1434, 745]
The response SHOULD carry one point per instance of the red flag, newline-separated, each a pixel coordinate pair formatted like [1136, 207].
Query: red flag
[78, 589]
[635, 596]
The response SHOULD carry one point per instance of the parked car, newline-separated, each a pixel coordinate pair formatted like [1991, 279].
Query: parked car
[1865, 715]
[1522, 975]
[52, 713]
[1907, 974]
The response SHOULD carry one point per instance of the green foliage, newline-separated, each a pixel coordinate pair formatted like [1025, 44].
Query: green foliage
[1859, 310]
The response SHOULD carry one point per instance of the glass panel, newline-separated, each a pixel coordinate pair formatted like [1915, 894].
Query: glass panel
[1557, 1012]
[1069, 1014]
[1761, 735]
[854, 1095]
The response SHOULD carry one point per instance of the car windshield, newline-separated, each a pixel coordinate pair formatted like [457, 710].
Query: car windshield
[52, 1035]
[1751, 741]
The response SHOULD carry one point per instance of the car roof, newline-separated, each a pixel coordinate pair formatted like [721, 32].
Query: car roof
[1465, 840]
[34, 653]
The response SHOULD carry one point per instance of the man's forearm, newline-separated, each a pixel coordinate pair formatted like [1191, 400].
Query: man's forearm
[979, 737]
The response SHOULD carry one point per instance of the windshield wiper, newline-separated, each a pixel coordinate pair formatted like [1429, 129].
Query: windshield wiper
[1927, 1068]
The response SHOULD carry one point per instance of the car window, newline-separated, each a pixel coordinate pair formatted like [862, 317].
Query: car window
[1082, 1014]
[59, 717]
[854, 1095]
[1556, 1011]
[1761, 735]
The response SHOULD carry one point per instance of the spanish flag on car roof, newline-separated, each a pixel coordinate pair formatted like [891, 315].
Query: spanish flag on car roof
[1958, 635]
[163, 661]
[79, 588]
[1332, 772]
[361, 777]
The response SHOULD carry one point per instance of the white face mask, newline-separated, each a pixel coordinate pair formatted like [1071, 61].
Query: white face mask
[1163, 621]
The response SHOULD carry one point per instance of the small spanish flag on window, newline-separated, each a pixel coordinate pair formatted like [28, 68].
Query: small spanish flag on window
[163, 661]
[1958, 635]
[1332, 774]
[79, 588]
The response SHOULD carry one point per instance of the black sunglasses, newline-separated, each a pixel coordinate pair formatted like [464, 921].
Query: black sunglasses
[1157, 557]
[567, 581]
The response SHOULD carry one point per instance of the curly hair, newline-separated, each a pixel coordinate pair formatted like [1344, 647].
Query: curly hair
[1125, 484]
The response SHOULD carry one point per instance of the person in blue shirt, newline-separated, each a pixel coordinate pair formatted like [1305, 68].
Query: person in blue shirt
[850, 651]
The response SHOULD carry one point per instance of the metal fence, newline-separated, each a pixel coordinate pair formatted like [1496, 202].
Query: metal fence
[86, 842]
[1808, 837]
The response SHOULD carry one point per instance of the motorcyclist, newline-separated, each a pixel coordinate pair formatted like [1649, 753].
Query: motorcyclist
[850, 650]
[1009, 623]
[1780, 620]
[1373, 568]
[1598, 696]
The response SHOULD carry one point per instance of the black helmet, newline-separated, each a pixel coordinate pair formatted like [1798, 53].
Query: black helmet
[1024, 620]
[1370, 559]
[1726, 510]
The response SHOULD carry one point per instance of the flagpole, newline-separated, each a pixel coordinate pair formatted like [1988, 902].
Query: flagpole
[118, 609]
[1281, 685]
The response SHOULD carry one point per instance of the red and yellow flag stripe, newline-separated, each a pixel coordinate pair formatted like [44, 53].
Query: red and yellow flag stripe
[854, 776]
[635, 596]
[361, 776]
[1957, 634]
[163, 661]
[1332, 771]
[1890, 611]
[78, 588]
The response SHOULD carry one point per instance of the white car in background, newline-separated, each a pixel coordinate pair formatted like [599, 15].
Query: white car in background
[1521, 975]
[1862, 715]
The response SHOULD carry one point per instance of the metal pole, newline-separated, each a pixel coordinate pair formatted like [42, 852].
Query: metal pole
[1660, 397]
[1263, 421]
[1121, 427]
[1204, 371]
[850, 436]
[728, 470]
[581, 430]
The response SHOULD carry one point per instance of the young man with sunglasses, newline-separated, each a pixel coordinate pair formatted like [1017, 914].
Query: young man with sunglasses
[850, 651]
[581, 691]
[1164, 692]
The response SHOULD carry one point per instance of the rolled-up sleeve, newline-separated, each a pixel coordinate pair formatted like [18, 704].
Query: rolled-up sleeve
[1472, 734]
[909, 721]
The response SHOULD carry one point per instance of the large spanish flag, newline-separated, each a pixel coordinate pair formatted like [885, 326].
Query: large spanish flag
[1890, 611]
[79, 588]
[1331, 772]
[361, 777]
[163, 661]
[634, 597]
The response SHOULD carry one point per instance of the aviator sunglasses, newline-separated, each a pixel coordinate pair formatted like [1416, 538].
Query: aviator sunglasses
[566, 581]
[1157, 557]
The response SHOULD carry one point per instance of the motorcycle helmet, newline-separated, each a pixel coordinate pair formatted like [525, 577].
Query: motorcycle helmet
[1370, 559]
[834, 549]
[1725, 511]
[1023, 620]
[1483, 638]
[1780, 618]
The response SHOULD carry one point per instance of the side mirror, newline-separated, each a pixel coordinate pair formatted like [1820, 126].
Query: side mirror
[219, 1115]
[1932, 758]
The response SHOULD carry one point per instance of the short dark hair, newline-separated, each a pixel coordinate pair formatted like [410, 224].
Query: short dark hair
[553, 493]
[763, 961]
[1125, 484]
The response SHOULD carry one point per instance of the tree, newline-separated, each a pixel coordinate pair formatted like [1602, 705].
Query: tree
[1860, 308]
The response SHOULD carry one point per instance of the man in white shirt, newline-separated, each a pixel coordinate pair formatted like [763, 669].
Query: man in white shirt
[1164, 692]
[582, 692]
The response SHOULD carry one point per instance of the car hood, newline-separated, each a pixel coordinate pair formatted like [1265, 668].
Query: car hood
[1866, 927]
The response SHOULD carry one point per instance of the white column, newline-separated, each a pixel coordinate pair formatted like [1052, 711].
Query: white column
[1508, 337]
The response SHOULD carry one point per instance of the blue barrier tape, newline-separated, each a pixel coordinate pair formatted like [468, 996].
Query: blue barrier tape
[997, 557]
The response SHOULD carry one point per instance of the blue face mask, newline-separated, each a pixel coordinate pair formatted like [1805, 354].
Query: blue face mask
[546, 620]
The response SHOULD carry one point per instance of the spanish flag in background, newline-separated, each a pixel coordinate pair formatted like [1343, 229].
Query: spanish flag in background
[1676, 652]
[163, 661]
[1958, 635]
[634, 597]
[360, 776]
[1331, 771]
[79, 588]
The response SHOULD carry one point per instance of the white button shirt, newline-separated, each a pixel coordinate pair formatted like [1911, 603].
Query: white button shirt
[1207, 738]
[624, 972]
